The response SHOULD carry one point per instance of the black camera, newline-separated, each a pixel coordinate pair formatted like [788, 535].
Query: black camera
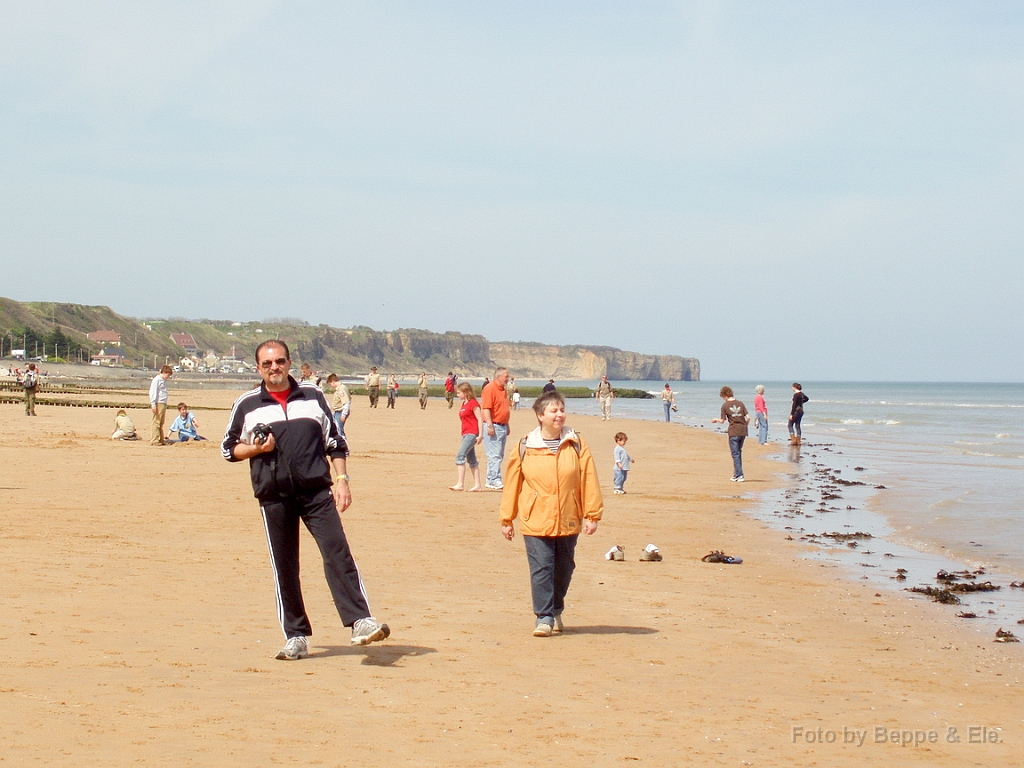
[261, 432]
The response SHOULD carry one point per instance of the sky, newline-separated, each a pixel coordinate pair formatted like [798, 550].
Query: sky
[795, 190]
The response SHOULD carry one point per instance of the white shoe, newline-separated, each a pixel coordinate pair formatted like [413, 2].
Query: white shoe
[558, 626]
[295, 648]
[366, 631]
[543, 629]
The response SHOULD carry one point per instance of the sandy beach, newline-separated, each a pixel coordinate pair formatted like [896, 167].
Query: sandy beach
[138, 625]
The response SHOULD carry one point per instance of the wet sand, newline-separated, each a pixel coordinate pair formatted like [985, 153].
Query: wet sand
[137, 618]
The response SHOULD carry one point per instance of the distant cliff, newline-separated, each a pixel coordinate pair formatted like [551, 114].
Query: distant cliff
[64, 327]
[544, 361]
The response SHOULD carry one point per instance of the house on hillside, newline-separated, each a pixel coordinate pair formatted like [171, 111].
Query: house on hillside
[108, 356]
[105, 337]
[186, 342]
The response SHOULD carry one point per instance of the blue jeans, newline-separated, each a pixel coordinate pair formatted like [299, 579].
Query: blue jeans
[736, 446]
[467, 451]
[668, 410]
[619, 478]
[495, 448]
[762, 427]
[340, 424]
[552, 562]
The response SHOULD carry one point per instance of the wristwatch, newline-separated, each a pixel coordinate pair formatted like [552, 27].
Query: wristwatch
[342, 477]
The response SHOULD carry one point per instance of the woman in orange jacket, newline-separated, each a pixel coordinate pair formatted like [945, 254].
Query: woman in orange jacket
[551, 486]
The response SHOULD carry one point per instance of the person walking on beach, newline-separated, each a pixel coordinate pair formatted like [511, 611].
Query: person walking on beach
[496, 414]
[449, 389]
[373, 386]
[735, 413]
[423, 386]
[552, 488]
[471, 421]
[341, 403]
[761, 410]
[796, 414]
[604, 394]
[30, 383]
[158, 404]
[550, 386]
[392, 390]
[286, 431]
[668, 400]
[622, 463]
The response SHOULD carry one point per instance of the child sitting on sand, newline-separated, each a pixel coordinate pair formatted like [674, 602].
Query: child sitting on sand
[186, 425]
[622, 463]
[124, 427]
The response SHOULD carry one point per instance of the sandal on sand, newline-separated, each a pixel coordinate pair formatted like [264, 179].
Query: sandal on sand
[717, 556]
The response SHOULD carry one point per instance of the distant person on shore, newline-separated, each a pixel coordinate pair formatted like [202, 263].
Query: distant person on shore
[471, 420]
[796, 414]
[30, 383]
[341, 402]
[306, 374]
[496, 414]
[392, 390]
[373, 386]
[510, 388]
[550, 386]
[158, 404]
[449, 389]
[124, 427]
[423, 386]
[761, 411]
[553, 490]
[735, 413]
[186, 425]
[668, 400]
[604, 394]
[516, 398]
[623, 461]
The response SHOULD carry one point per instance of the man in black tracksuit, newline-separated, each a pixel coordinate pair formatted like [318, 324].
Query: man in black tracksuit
[291, 477]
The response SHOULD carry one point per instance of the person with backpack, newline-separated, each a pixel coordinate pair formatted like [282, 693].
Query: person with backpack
[551, 486]
[31, 383]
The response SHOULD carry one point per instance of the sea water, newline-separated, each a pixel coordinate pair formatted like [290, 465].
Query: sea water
[949, 455]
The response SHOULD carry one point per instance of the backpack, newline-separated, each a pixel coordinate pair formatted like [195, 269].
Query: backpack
[30, 381]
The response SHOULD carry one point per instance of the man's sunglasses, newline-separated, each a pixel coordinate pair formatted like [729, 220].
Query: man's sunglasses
[266, 365]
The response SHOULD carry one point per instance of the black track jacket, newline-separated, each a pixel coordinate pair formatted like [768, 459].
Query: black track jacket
[305, 434]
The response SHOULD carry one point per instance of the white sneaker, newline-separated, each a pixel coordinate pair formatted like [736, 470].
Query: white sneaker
[739, 479]
[295, 648]
[557, 626]
[366, 631]
[543, 629]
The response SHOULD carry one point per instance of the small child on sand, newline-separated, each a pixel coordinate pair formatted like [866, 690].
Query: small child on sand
[622, 462]
[124, 428]
[186, 425]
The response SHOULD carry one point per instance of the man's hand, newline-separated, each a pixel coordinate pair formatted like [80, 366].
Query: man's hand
[508, 532]
[590, 527]
[342, 495]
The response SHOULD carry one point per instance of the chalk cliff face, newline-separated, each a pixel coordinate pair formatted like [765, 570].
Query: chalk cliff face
[542, 361]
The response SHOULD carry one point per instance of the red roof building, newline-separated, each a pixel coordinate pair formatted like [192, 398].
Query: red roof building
[105, 337]
[185, 341]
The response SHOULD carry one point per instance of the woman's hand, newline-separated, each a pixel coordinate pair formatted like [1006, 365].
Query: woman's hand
[590, 527]
[508, 532]
[479, 439]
